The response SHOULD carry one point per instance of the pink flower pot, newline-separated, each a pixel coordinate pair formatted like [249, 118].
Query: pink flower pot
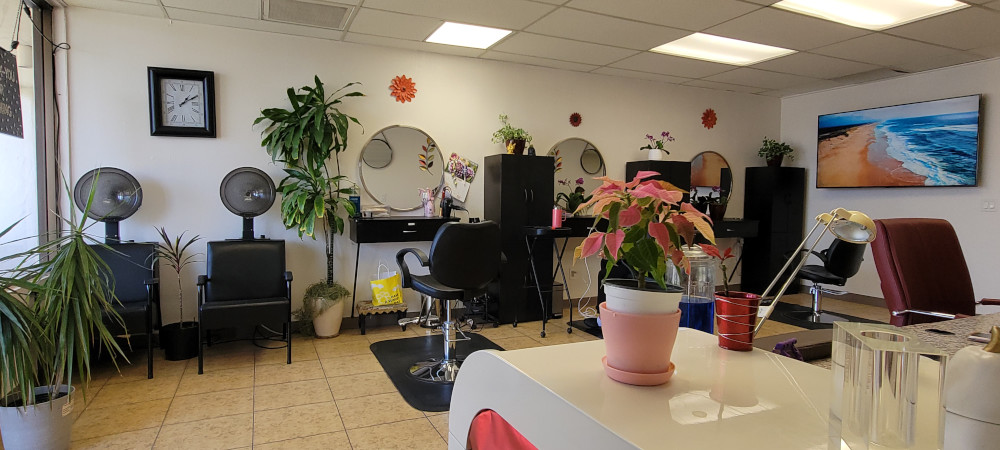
[639, 346]
[736, 315]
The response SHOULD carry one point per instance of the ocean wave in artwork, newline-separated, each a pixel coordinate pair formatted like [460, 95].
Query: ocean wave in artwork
[941, 148]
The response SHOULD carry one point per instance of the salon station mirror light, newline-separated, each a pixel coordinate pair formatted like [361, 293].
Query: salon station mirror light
[396, 162]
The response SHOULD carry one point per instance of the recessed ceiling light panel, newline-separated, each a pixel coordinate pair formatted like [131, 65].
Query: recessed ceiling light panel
[463, 35]
[871, 14]
[722, 50]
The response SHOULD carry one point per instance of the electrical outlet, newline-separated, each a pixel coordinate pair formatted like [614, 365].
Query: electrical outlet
[572, 274]
[989, 205]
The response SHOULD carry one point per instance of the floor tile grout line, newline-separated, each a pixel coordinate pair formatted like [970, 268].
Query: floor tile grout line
[343, 424]
[167, 412]
[434, 427]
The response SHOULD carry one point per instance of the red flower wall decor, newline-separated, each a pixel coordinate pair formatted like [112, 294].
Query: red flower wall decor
[708, 118]
[403, 88]
[575, 119]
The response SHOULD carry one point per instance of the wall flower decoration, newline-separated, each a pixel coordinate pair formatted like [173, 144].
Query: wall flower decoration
[403, 88]
[708, 118]
[575, 119]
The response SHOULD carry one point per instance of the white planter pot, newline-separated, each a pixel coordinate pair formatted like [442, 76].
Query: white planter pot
[655, 154]
[327, 324]
[631, 300]
[39, 426]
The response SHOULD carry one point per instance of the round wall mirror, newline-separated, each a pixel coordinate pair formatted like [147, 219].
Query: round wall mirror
[711, 176]
[577, 162]
[396, 162]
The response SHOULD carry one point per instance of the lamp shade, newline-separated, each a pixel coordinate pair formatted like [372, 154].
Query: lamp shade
[853, 226]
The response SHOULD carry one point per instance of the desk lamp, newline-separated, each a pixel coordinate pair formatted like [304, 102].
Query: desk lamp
[849, 226]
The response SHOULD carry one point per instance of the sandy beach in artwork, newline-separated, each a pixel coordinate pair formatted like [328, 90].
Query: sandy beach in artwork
[856, 159]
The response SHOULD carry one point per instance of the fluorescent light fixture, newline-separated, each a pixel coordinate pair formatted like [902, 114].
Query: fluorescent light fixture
[723, 50]
[463, 35]
[871, 14]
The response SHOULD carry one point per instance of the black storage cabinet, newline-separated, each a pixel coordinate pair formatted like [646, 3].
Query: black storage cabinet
[519, 191]
[774, 196]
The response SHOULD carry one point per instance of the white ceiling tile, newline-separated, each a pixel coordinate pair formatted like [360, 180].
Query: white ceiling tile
[963, 29]
[815, 66]
[694, 15]
[139, 9]
[671, 65]
[253, 24]
[242, 8]
[591, 27]
[411, 45]
[993, 5]
[640, 75]
[952, 59]
[535, 61]
[552, 2]
[724, 86]
[561, 49]
[509, 14]
[989, 52]
[884, 50]
[746, 76]
[763, 2]
[819, 85]
[784, 29]
[396, 25]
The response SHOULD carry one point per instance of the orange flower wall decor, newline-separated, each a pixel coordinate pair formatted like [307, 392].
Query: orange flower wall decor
[708, 118]
[404, 89]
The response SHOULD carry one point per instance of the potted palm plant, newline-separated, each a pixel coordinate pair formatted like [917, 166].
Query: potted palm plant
[515, 139]
[51, 317]
[773, 152]
[179, 340]
[647, 227]
[304, 138]
[322, 309]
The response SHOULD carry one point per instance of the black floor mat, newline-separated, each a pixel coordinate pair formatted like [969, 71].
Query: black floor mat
[587, 327]
[397, 355]
[796, 315]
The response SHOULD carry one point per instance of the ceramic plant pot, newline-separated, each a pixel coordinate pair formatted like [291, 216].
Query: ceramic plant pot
[639, 346]
[655, 154]
[179, 342]
[43, 425]
[717, 212]
[775, 161]
[327, 323]
[515, 146]
[624, 296]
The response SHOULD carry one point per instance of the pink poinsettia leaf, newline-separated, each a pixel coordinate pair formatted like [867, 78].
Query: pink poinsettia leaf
[629, 216]
[711, 250]
[684, 228]
[654, 190]
[614, 242]
[591, 244]
[641, 175]
[661, 235]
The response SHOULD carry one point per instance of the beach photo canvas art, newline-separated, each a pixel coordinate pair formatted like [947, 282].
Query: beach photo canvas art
[933, 143]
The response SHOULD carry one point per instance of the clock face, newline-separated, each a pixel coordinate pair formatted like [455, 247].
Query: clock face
[183, 103]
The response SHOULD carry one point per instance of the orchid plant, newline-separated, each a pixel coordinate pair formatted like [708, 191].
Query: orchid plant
[647, 225]
[658, 143]
[571, 201]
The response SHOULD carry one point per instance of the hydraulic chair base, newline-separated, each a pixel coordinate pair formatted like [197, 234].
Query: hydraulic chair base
[817, 315]
[443, 370]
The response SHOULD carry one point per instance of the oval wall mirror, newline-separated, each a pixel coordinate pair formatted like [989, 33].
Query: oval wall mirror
[710, 170]
[397, 161]
[577, 160]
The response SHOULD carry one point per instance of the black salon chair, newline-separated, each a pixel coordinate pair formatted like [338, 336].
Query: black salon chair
[246, 285]
[841, 260]
[133, 271]
[464, 259]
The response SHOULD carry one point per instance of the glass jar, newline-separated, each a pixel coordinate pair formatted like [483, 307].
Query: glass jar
[698, 301]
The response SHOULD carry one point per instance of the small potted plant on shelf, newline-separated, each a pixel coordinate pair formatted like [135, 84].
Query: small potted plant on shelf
[714, 204]
[51, 316]
[179, 340]
[571, 201]
[647, 227]
[514, 139]
[773, 152]
[656, 146]
[322, 309]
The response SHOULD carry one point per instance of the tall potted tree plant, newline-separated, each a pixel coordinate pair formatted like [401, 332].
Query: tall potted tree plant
[179, 340]
[304, 138]
[647, 226]
[51, 317]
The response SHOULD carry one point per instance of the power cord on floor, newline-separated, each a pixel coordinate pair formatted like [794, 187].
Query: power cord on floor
[584, 308]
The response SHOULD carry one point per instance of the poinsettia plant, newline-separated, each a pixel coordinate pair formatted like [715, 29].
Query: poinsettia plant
[713, 251]
[647, 226]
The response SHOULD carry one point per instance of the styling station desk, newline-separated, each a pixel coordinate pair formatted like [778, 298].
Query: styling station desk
[391, 229]
[559, 397]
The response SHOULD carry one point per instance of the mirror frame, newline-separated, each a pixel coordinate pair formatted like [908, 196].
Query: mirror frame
[391, 152]
[723, 189]
[590, 147]
[361, 163]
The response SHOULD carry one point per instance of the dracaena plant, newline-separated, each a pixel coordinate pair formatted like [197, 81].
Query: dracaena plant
[172, 252]
[647, 226]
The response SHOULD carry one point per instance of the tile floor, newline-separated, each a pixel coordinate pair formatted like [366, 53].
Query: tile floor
[333, 396]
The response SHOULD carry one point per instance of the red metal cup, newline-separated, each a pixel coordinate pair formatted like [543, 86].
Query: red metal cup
[735, 317]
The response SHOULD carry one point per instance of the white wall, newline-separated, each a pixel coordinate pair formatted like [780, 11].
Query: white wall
[17, 179]
[960, 206]
[457, 103]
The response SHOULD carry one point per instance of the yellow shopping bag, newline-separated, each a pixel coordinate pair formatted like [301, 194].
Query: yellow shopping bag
[387, 289]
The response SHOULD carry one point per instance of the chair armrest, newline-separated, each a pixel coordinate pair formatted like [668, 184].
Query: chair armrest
[288, 289]
[202, 280]
[821, 255]
[924, 313]
[401, 261]
[990, 301]
[151, 281]
[288, 276]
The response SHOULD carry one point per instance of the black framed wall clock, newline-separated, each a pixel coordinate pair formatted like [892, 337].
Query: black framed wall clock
[181, 102]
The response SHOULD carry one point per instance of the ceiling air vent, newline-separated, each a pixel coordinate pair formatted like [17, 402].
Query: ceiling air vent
[872, 75]
[309, 13]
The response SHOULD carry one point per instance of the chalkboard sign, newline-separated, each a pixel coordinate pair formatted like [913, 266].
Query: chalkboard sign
[10, 96]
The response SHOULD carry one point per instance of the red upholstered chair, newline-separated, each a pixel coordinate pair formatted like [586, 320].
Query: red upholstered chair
[923, 272]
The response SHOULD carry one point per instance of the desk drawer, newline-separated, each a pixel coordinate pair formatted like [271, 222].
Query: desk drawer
[396, 230]
[735, 228]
